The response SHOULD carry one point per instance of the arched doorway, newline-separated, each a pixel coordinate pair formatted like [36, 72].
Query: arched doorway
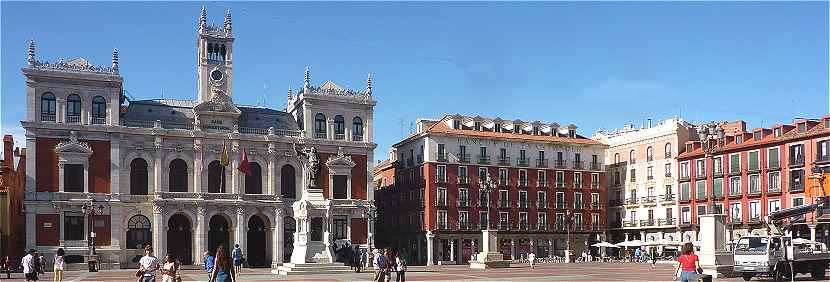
[257, 256]
[218, 233]
[179, 238]
[288, 238]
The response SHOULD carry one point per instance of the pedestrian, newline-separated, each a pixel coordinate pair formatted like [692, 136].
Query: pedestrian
[637, 254]
[237, 259]
[41, 263]
[147, 266]
[208, 262]
[401, 268]
[531, 258]
[7, 265]
[223, 270]
[689, 265]
[381, 265]
[28, 264]
[653, 257]
[169, 269]
[356, 259]
[59, 263]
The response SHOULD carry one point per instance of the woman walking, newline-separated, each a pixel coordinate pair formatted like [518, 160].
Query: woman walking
[689, 265]
[223, 270]
[58, 265]
[169, 269]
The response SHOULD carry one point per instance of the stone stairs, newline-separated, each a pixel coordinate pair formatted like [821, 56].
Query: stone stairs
[311, 268]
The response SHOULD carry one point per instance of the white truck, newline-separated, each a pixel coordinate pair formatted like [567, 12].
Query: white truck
[780, 256]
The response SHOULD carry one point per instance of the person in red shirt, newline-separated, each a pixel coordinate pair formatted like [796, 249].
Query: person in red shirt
[689, 264]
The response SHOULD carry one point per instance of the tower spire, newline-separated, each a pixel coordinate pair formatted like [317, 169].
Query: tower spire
[290, 94]
[115, 60]
[31, 58]
[228, 21]
[203, 20]
[369, 84]
[306, 80]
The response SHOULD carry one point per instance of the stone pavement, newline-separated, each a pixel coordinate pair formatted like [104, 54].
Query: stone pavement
[518, 272]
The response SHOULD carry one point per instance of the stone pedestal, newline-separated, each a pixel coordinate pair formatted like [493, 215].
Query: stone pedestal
[306, 250]
[489, 257]
[715, 259]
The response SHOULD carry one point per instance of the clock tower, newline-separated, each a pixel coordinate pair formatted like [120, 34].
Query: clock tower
[215, 58]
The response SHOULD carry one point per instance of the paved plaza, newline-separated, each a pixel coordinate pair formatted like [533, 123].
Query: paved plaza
[518, 272]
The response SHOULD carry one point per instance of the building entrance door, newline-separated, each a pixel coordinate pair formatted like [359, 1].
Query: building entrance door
[179, 238]
[289, 226]
[218, 234]
[256, 243]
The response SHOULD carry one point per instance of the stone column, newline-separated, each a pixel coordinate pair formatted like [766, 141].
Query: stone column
[62, 220]
[418, 249]
[201, 240]
[452, 249]
[115, 168]
[198, 163]
[241, 227]
[159, 229]
[31, 168]
[430, 236]
[272, 176]
[60, 110]
[235, 178]
[30, 226]
[277, 237]
[157, 170]
[512, 249]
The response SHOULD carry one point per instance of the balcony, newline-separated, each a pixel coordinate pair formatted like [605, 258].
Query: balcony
[504, 226]
[541, 226]
[73, 119]
[631, 201]
[797, 161]
[542, 183]
[441, 202]
[560, 205]
[442, 226]
[320, 135]
[523, 226]
[98, 120]
[596, 166]
[595, 186]
[578, 164]
[524, 204]
[717, 172]
[483, 226]
[463, 203]
[596, 206]
[464, 179]
[629, 223]
[736, 221]
[522, 182]
[667, 198]
[773, 190]
[735, 194]
[464, 158]
[578, 227]
[442, 178]
[701, 197]
[47, 117]
[596, 227]
[632, 161]
[503, 160]
[357, 137]
[504, 204]
[483, 204]
[648, 199]
[754, 191]
[684, 177]
[666, 221]
[464, 226]
[541, 204]
[559, 227]
[796, 186]
[700, 176]
[668, 173]
[503, 181]
[542, 163]
[647, 222]
[650, 177]
[483, 159]
[754, 220]
[339, 136]
[560, 184]
[523, 162]
[441, 156]
[686, 223]
[615, 203]
[559, 163]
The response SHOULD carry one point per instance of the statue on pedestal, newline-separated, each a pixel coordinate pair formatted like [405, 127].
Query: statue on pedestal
[308, 157]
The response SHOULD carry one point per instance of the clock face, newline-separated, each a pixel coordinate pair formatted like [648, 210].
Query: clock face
[216, 75]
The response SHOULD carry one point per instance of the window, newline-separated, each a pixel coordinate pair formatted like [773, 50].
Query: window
[700, 190]
[138, 177]
[797, 180]
[287, 182]
[503, 220]
[717, 165]
[650, 172]
[523, 203]
[595, 180]
[340, 227]
[442, 219]
[735, 163]
[735, 210]
[441, 173]
[649, 154]
[463, 219]
[772, 158]
[669, 214]
[73, 178]
[560, 179]
[774, 206]
[798, 202]
[177, 179]
[701, 210]
[253, 182]
[47, 107]
[632, 158]
[617, 178]
[735, 185]
[823, 151]
[560, 221]
[802, 127]
[685, 193]
[739, 139]
[497, 127]
[560, 200]
[320, 126]
[717, 188]
[684, 170]
[483, 219]
[578, 179]
[357, 129]
[456, 124]
[595, 200]
[502, 154]
[73, 226]
[73, 108]
[668, 150]
[754, 210]
[777, 132]
[797, 154]
[463, 196]
[482, 174]
[633, 175]
[700, 168]
[99, 107]
[686, 215]
[216, 177]
[542, 178]
[667, 169]
[542, 199]
[504, 199]
[753, 161]
[578, 200]
[503, 176]
[477, 125]
[462, 175]
[441, 197]
[774, 181]
[542, 221]
[138, 232]
[522, 177]
[595, 219]
[578, 220]
[754, 184]
[616, 158]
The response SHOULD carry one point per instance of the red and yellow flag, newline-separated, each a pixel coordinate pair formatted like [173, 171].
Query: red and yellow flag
[223, 158]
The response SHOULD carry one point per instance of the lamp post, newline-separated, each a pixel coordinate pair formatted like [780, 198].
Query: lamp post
[371, 216]
[90, 210]
[568, 221]
[488, 186]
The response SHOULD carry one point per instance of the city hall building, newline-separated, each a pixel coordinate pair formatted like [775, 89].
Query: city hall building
[116, 175]
[549, 190]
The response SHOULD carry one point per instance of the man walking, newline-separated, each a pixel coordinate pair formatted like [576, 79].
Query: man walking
[28, 264]
[381, 266]
[531, 258]
[237, 259]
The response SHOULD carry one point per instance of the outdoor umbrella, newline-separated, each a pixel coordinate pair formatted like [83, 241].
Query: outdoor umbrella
[604, 244]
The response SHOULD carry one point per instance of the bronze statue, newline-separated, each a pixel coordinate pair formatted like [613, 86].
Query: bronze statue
[311, 162]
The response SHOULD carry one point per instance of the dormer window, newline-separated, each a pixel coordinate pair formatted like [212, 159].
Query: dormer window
[497, 127]
[739, 139]
[477, 126]
[571, 133]
[535, 130]
[688, 147]
[456, 124]
[777, 132]
[758, 136]
[802, 127]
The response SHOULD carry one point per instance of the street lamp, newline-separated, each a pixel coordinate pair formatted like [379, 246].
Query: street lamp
[90, 209]
[568, 221]
[371, 216]
[488, 186]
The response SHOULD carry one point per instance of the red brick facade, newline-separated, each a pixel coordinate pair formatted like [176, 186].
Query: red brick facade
[47, 229]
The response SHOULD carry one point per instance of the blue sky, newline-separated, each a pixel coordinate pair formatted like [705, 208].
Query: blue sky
[591, 64]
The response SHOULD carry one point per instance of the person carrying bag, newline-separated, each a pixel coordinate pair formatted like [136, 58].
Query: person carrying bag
[688, 265]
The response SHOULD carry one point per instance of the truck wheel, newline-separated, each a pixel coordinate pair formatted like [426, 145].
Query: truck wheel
[818, 271]
[747, 277]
